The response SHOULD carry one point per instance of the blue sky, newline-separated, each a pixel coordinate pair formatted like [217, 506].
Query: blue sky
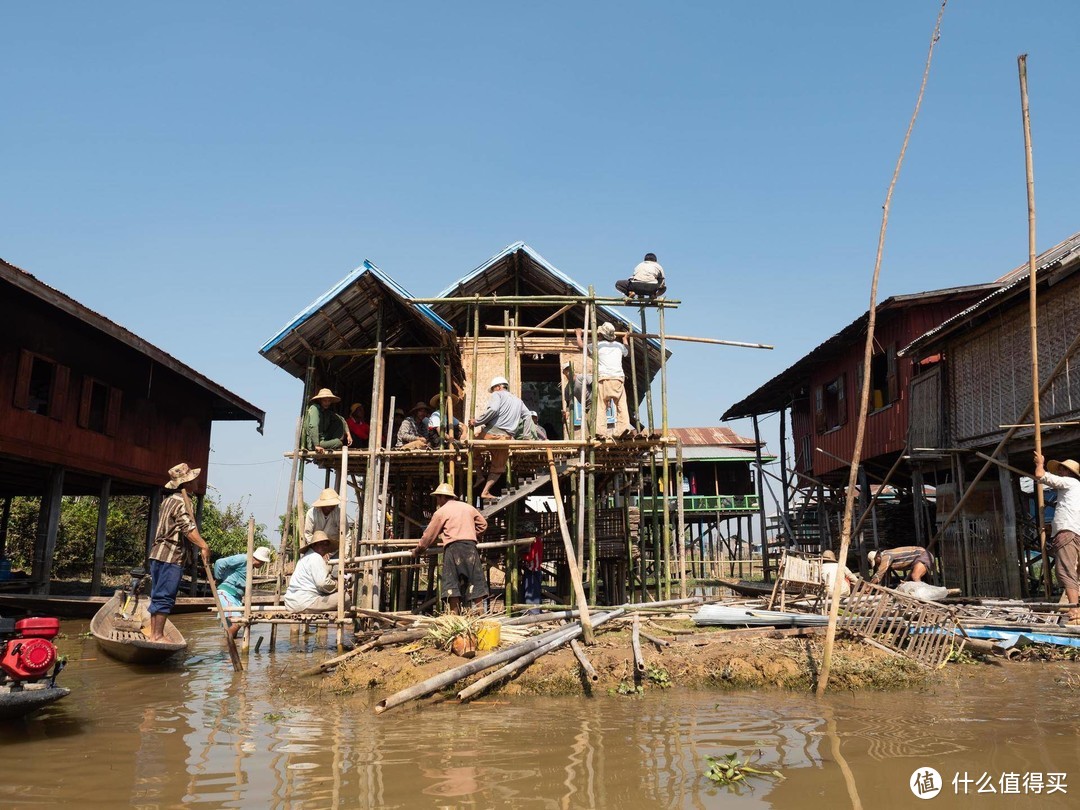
[246, 156]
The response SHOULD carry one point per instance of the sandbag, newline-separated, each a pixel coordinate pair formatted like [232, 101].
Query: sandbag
[923, 591]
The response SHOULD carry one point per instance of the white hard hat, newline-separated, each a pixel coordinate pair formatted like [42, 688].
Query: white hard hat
[498, 380]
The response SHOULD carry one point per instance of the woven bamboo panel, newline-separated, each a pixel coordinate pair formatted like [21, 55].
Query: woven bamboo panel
[989, 369]
[927, 427]
[984, 553]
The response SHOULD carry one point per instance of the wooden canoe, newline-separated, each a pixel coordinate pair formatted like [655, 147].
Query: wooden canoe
[125, 641]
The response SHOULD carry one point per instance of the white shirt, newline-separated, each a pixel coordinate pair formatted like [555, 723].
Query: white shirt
[828, 575]
[650, 272]
[310, 580]
[316, 521]
[1067, 507]
[609, 359]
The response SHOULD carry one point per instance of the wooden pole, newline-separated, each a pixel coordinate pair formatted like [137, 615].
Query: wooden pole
[249, 575]
[571, 559]
[343, 496]
[765, 569]
[784, 480]
[1033, 320]
[102, 525]
[680, 548]
[234, 654]
[864, 396]
[599, 411]
[472, 403]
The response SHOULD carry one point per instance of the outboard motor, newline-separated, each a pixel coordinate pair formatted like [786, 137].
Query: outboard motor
[27, 652]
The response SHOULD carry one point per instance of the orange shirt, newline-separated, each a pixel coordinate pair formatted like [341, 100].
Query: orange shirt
[454, 520]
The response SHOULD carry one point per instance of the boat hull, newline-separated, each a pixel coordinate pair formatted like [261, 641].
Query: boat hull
[124, 641]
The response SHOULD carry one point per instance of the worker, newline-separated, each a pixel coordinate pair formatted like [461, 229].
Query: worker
[412, 433]
[176, 527]
[532, 563]
[1064, 478]
[313, 584]
[609, 371]
[830, 569]
[325, 516]
[541, 431]
[230, 573]
[435, 435]
[457, 525]
[647, 279]
[325, 430]
[501, 420]
[575, 386]
[358, 425]
[915, 559]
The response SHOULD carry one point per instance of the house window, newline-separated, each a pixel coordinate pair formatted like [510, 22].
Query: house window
[884, 389]
[830, 404]
[40, 385]
[99, 409]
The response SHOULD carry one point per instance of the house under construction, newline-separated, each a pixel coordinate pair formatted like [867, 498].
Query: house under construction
[372, 342]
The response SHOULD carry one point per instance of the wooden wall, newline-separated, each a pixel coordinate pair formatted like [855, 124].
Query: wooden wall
[157, 418]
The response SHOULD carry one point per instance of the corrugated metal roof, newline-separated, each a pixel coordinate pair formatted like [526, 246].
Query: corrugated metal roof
[346, 317]
[711, 437]
[1013, 283]
[227, 407]
[775, 394]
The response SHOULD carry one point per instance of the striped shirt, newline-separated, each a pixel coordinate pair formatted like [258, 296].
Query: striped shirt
[901, 558]
[175, 522]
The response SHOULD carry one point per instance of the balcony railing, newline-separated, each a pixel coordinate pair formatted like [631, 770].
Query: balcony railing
[701, 503]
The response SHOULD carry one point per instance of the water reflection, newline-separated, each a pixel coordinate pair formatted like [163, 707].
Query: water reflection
[196, 734]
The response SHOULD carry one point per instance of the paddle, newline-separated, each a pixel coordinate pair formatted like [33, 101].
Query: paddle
[234, 653]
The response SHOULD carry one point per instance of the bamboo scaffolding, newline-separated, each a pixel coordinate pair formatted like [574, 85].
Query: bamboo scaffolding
[864, 396]
[575, 570]
[637, 335]
[548, 300]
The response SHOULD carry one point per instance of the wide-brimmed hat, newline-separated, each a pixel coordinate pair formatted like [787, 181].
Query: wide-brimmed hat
[354, 406]
[419, 406]
[325, 393]
[444, 489]
[1066, 467]
[453, 399]
[828, 556]
[607, 330]
[871, 557]
[498, 380]
[329, 497]
[316, 538]
[182, 473]
[262, 554]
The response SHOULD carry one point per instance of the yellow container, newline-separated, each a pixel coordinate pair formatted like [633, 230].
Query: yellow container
[488, 635]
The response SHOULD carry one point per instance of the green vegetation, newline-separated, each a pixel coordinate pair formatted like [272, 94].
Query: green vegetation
[658, 676]
[733, 773]
[225, 529]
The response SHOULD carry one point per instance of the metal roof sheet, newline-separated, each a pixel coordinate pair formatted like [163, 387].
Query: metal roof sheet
[1013, 284]
[346, 317]
[227, 406]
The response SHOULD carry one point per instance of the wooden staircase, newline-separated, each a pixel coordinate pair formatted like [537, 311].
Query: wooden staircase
[524, 488]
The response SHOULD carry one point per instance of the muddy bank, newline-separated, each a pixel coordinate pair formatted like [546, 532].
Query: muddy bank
[703, 661]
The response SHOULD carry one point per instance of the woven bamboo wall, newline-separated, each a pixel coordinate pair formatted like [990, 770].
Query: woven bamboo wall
[989, 369]
[927, 425]
[986, 550]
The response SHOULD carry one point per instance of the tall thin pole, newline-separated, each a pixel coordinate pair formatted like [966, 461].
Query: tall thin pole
[599, 407]
[1033, 320]
[250, 573]
[472, 402]
[765, 570]
[864, 395]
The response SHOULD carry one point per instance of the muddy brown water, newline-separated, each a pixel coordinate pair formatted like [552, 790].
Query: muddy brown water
[193, 734]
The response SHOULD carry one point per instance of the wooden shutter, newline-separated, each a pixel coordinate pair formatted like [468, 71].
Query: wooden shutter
[819, 409]
[892, 388]
[112, 417]
[59, 393]
[22, 380]
[841, 399]
[84, 402]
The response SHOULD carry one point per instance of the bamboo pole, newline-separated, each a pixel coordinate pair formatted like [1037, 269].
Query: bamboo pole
[571, 560]
[435, 551]
[635, 335]
[343, 496]
[247, 581]
[234, 654]
[864, 396]
[1033, 320]
[583, 661]
[472, 404]
[681, 519]
[635, 644]
[548, 300]
[599, 407]
[666, 463]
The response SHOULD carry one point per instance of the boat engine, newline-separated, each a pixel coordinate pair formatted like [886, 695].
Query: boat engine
[27, 652]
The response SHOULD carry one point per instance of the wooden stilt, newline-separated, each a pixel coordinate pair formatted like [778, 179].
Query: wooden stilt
[247, 584]
[99, 545]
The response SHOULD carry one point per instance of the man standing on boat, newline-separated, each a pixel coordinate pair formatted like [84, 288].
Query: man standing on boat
[231, 576]
[176, 526]
[457, 525]
[1064, 478]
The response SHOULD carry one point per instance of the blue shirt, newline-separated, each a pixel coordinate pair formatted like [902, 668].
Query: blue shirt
[231, 574]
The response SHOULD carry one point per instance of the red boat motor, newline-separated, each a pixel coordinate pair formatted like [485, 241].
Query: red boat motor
[26, 650]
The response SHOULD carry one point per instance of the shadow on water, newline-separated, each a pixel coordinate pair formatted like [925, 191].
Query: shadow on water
[193, 733]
